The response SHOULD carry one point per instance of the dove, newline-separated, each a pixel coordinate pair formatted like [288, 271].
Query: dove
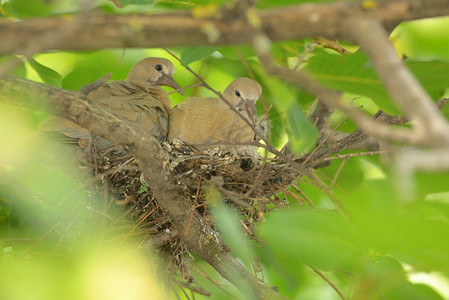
[209, 122]
[138, 99]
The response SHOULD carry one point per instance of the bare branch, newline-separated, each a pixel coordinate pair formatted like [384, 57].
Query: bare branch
[405, 90]
[183, 28]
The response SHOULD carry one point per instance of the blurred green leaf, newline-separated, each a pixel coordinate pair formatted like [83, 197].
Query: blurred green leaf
[423, 39]
[192, 54]
[407, 290]
[229, 226]
[136, 2]
[429, 73]
[350, 176]
[413, 233]
[277, 3]
[19, 70]
[323, 239]
[302, 133]
[47, 75]
[427, 183]
[27, 9]
[232, 52]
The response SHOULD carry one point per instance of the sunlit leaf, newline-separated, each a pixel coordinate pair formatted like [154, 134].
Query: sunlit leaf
[423, 39]
[47, 75]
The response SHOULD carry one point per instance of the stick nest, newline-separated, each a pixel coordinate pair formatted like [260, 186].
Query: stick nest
[251, 185]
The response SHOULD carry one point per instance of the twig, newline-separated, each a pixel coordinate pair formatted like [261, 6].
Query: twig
[337, 173]
[329, 282]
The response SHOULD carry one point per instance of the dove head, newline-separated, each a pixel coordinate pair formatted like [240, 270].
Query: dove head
[154, 71]
[243, 93]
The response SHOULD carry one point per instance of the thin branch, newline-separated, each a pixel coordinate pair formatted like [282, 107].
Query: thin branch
[329, 282]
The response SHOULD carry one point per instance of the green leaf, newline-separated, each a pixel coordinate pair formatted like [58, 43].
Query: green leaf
[423, 39]
[428, 183]
[350, 176]
[411, 232]
[351, 73]
[136, 2]
[229, 226]
[191, 54]
[27, 8]
[19, 70]
[277, 3]
[47, 75]
[407, 290]
[323, 239]
[302, 134]
[429, 73]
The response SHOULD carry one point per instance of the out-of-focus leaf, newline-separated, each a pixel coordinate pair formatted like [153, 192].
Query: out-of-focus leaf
[27, 9]
[413, 233]
[135, 2]
[302, 133]
[322, 239]
[277, 3]
[19, 70]
[92, 66]
[350, 176]
[230, 52]
[229, 226]
[429, 73]
[47, 75]
[423, 39]
[407, 290]
[427, 183]
[192, 54]
[277, 127]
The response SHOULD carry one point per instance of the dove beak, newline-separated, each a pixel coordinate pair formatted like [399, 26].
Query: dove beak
[250, 110]
[169, 81]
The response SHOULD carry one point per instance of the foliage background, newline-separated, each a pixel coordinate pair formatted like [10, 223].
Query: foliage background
[55, 246]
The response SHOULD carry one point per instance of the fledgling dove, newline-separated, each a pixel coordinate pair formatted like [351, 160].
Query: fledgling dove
[209, 122]
[138, 99]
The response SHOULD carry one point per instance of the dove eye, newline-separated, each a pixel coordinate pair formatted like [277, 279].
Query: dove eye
[237, 93]
[158, 67]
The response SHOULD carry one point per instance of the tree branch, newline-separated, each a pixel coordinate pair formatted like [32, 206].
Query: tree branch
[404, 88]
[98, 31]
[200, 239]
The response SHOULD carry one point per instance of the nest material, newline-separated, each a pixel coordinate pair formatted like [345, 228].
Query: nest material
[248, 184]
